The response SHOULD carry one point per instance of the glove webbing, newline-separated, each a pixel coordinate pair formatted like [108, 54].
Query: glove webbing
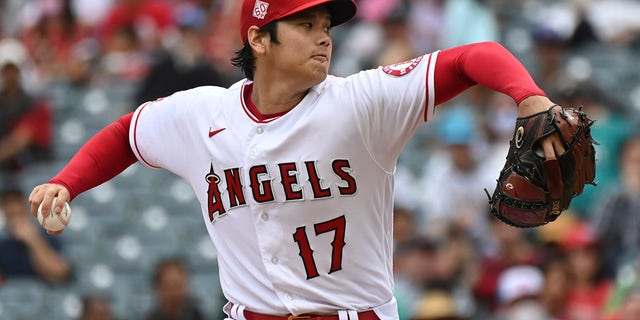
[531, 206]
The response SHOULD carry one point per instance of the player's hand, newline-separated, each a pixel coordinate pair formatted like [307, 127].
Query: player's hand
[44, 194]
[551, 145]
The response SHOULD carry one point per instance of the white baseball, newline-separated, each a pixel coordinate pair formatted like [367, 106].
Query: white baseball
[55, 222]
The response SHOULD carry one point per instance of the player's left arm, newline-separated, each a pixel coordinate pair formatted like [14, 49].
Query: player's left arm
[491, 65]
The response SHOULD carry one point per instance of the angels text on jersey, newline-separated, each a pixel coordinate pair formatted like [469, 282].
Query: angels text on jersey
[227, 190]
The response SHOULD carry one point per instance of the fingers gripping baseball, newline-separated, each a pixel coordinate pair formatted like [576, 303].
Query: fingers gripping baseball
[44, 195]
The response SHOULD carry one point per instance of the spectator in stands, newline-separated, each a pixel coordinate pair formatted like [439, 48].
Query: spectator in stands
[413, 261]
[589, 290]
[130, 33]
[124, 58]
[396, 44]
[79, 70]
[95, 307]
[437, 305]
[550, 49]
[585, 31]
[404, 225]
[427, 20]
[221, 44]
[183, 65]
[381, 37]
[616, 218]
[173, 300]
[512, 247]
[25, 121]
[148, 19]
[615, 22]
[25, 249]
[468, 21]
[519, 290]
[50, 33]
[456, 175]
[556, 283]
[454, 269]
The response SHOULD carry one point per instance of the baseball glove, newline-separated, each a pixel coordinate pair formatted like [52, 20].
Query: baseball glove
[532, 191]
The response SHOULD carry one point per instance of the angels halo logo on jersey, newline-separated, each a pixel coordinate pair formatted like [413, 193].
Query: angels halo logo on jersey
[402, 68]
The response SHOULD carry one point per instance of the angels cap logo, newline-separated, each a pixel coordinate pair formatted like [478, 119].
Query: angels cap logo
[260, 9]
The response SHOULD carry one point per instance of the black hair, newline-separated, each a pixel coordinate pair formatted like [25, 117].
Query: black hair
[244, 58]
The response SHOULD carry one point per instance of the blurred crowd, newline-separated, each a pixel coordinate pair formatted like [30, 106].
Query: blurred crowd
[67, 67]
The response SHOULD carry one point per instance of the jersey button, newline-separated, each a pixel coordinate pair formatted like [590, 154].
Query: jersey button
[265, 216]
[259, 130]
[253, 152]
[289, 297]
[274, 260]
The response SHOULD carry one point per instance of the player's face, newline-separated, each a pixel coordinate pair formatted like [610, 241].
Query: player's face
[305, 46]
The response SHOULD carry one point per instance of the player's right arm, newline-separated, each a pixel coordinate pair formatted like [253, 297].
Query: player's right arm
[103, 157]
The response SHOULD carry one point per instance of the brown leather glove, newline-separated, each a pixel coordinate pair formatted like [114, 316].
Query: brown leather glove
[531, 190]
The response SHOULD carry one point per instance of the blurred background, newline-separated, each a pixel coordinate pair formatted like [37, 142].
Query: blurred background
[137, 247]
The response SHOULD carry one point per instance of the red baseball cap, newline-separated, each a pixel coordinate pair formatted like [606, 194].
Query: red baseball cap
[261, 12]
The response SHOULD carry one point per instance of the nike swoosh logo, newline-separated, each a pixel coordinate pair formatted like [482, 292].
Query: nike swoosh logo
[214, 132]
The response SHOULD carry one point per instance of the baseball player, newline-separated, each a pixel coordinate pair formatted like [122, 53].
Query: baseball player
[294, 168]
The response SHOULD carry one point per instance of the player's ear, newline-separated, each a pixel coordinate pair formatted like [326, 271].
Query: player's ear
[258, 39]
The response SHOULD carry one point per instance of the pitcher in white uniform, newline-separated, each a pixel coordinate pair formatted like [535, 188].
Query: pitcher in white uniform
[294, 168]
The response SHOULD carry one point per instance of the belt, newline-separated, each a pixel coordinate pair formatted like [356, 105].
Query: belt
[249, 315]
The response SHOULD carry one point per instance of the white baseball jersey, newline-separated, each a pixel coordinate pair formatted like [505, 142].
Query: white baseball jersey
[299, 205]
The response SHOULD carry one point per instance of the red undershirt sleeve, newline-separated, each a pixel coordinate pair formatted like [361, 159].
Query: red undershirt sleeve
[103, 157]
[486, 63]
